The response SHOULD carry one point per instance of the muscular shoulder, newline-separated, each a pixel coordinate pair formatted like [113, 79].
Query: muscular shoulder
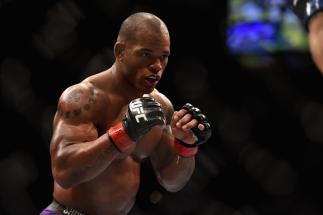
[165, 103]
[77, 101]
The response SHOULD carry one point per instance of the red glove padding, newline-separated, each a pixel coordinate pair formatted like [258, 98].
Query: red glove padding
[184, 150]
[119, 138]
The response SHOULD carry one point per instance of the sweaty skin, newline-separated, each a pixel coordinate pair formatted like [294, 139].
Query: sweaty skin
[90, 174]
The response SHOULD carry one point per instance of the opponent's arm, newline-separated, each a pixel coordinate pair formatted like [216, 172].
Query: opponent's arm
[316, 39]
[78, 154]
[310, 12]
[174, 160]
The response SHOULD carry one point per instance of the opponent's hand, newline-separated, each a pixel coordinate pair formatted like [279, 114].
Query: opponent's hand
[305, 9]
[143, 114]
[190, 126]
[298, 7]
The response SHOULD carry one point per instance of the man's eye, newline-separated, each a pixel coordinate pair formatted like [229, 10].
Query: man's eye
[145, 54]
[163, 57]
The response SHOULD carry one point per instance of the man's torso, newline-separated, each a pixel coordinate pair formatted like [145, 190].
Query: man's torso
[114, 190]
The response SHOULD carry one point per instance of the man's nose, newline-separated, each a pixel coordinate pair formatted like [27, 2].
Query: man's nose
[156, 66]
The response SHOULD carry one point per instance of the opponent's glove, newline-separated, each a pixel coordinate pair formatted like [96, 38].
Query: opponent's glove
[305, 9]
[143, 114]
[188, 150]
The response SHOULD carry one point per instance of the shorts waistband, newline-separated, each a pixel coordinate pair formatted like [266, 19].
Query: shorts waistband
[56, 206]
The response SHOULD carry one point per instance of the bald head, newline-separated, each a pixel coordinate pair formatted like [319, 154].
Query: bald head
[141, 22]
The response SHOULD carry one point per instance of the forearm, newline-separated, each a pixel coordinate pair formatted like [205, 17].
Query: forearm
[174, 158]
[175, 175]
[173, 170]
[79, 162]
[316, 39]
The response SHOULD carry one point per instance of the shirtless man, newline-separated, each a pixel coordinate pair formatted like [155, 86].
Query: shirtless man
[105, 125]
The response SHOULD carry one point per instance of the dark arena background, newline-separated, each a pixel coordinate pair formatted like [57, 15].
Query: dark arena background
[258, 86]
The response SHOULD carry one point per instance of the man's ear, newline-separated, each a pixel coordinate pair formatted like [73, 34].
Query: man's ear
[119, 50]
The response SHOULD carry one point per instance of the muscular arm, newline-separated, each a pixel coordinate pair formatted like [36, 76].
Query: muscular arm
[172, 170]
[316, 39]
[78, 154]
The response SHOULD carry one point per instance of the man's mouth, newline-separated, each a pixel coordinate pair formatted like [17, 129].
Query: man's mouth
[152, 78]
[151, 81]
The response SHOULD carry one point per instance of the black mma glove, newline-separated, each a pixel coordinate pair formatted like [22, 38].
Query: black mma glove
[143, 114]
[189, 150]
[305, 9]
[202, 136]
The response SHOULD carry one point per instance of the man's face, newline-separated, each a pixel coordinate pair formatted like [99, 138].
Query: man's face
[145, 59]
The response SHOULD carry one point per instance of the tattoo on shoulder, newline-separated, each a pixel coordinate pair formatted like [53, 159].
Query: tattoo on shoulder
[75, 97]
[91, 101]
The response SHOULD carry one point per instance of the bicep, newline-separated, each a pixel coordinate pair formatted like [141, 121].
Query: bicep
[73, 119]
[67, 134]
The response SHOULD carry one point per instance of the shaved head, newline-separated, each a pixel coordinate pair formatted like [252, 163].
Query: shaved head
[141, 22]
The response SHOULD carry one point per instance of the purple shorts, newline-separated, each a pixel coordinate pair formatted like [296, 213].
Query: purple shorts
[56, 208]
[50, 212]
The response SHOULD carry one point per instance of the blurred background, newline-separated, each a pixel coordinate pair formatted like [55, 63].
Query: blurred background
[245, 63]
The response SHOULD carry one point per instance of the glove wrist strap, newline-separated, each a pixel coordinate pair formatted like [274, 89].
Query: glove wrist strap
[119, 138]
[183, 150]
